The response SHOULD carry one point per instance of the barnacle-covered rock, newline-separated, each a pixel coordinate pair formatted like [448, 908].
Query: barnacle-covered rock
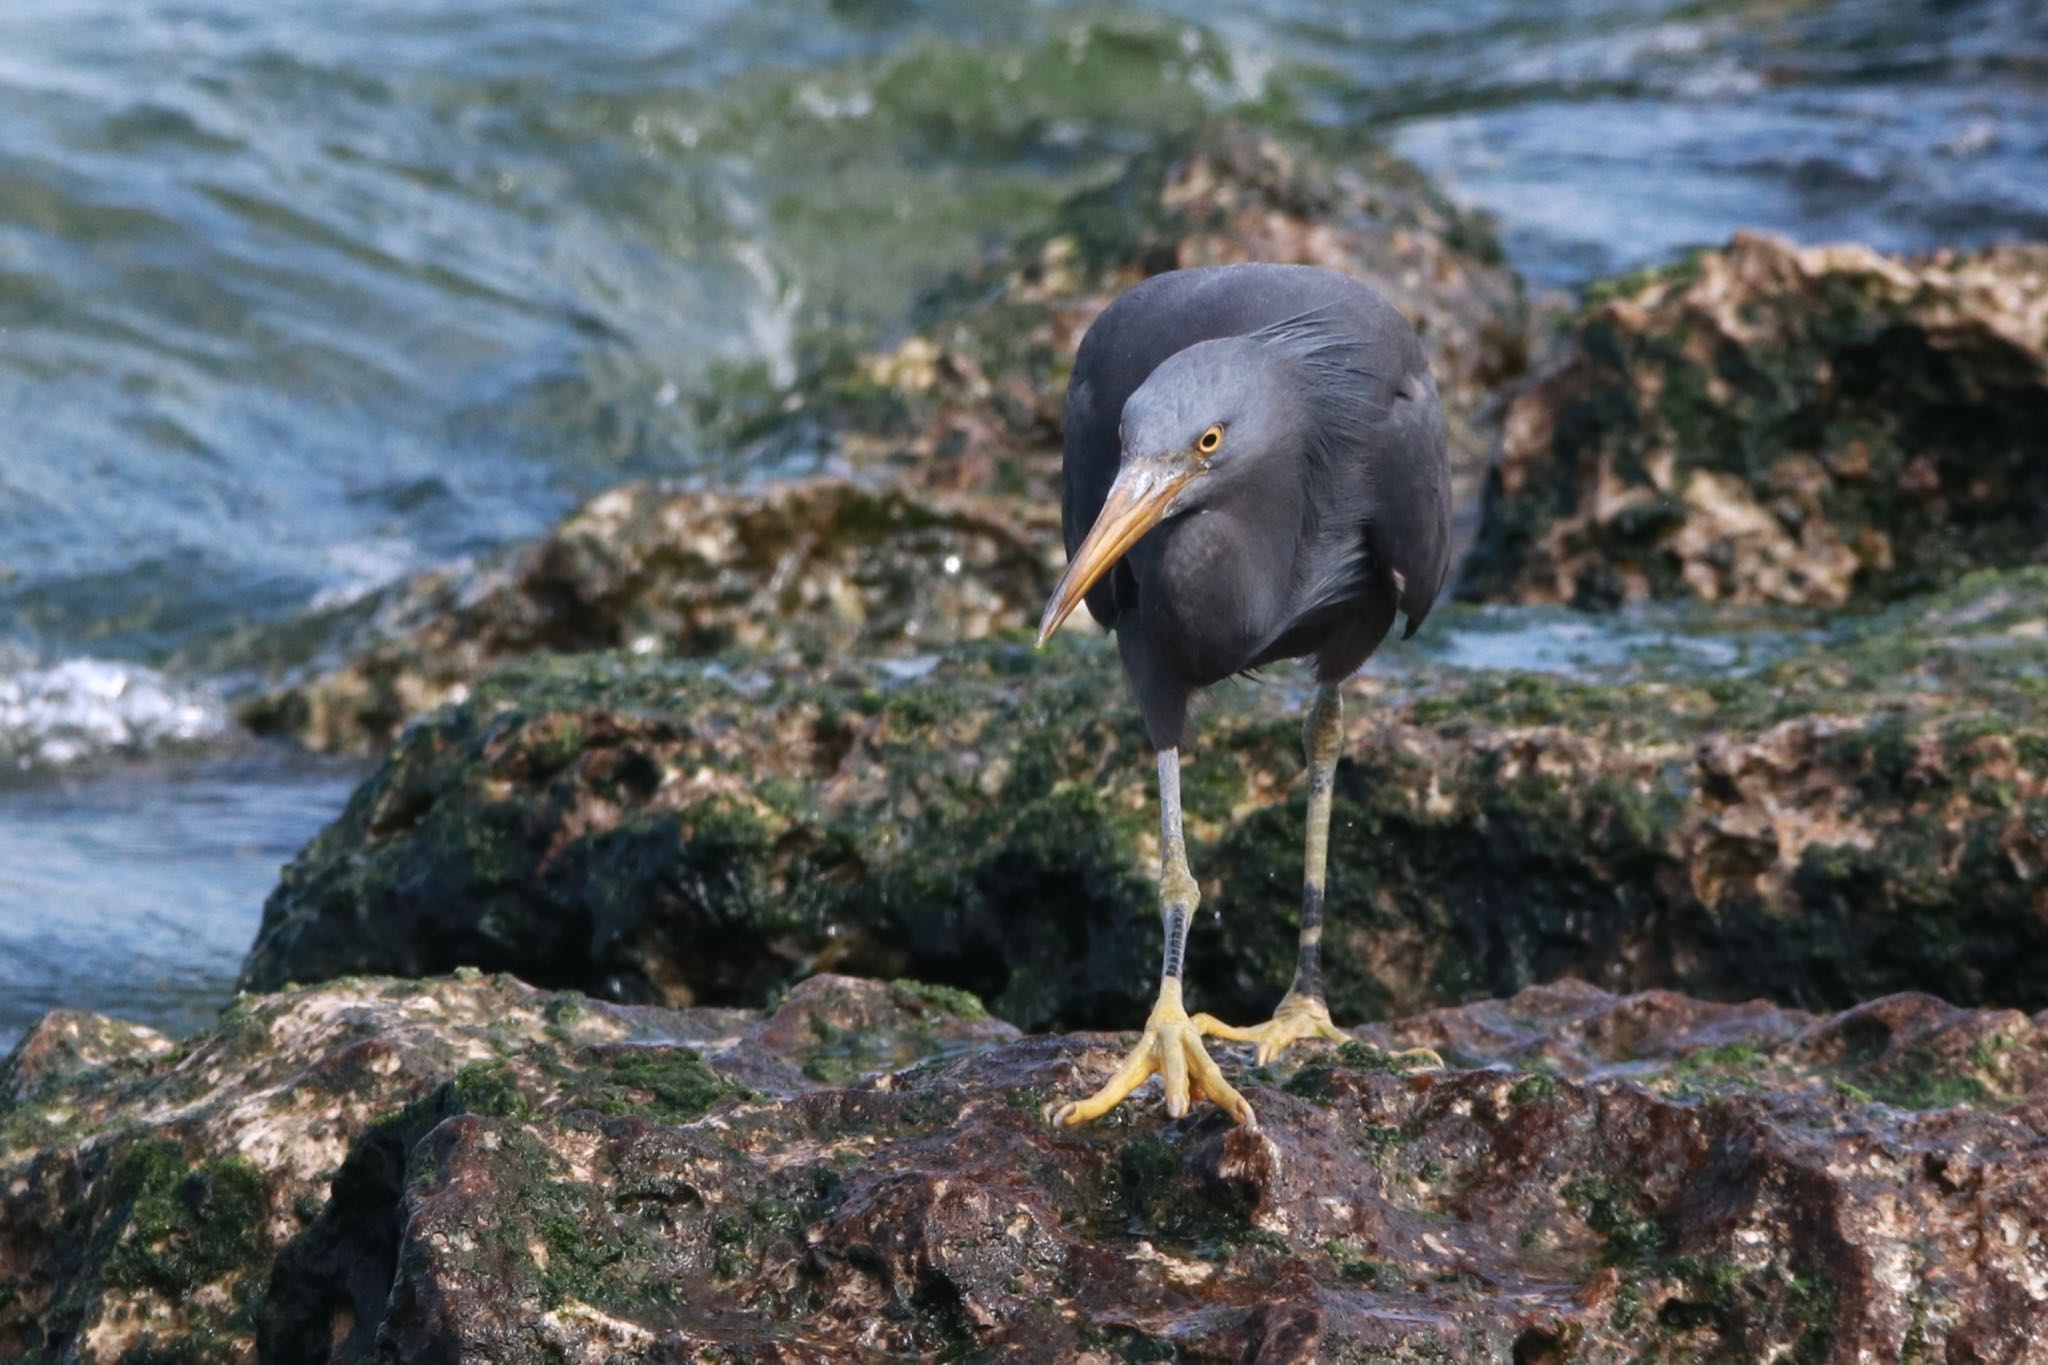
[184, 1202]
[817, 567]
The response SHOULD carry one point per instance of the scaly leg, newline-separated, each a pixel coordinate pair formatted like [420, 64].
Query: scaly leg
[1172, 1046]
[1301, 1012]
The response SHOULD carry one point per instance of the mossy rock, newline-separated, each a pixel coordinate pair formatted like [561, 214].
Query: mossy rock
[1863, 811]
[812, 568]
[240, 1196]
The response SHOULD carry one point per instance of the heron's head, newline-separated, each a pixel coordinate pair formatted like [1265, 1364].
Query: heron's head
[1204, 421]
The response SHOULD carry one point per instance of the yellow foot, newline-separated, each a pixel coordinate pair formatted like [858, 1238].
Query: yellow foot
[1300, 1017]
[1172, 1050]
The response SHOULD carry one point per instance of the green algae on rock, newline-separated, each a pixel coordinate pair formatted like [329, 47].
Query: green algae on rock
[189, 1202]
[1867, 812]
[420, 1171]
[1767, 423]
[706, 833]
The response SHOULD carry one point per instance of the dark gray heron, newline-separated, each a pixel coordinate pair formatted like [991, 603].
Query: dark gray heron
[1254, 471]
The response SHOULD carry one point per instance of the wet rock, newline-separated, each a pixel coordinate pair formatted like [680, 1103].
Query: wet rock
[956, 429]
[1767, 423]
[1843, 814]
[167, 1202]
[817, 567]
[429, 1171]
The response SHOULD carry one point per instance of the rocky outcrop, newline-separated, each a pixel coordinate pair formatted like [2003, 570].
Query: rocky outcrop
[1767, 423]
[820, 567]
[955, 431]
[470, 1169]
[1847, 815]
[181, 1202]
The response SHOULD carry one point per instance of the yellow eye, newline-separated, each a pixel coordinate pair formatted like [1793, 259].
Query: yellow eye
[1209, 440]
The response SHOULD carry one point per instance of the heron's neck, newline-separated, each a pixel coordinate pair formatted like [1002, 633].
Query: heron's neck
[1214, 584]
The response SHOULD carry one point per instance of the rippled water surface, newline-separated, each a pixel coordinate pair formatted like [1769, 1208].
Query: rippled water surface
[296, 298]
[137, 894]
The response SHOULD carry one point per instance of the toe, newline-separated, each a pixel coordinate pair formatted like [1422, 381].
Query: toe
[1174, 1073]
[1137, 1066]
[1210, 1084]
[1171, 1049]
[1094, 1107]
[1209, 1026]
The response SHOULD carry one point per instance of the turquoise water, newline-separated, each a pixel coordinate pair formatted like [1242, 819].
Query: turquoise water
[297, 298]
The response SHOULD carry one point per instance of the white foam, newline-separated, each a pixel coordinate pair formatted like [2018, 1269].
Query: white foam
[83, 709]
[365, 567]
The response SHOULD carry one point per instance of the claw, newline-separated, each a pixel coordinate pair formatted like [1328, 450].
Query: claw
[1172, 1050]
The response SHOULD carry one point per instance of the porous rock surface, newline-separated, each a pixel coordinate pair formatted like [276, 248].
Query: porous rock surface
[1771, 423]
[473, 1170]
[1845, 815]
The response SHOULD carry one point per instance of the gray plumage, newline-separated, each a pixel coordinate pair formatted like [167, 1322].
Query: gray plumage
[1325, 508]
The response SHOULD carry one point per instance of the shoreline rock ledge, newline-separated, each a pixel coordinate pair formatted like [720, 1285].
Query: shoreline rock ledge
[1843, 816]
[470, 1169]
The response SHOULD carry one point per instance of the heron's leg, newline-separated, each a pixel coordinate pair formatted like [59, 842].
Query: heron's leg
[1172, 1046]
[1302, 1012]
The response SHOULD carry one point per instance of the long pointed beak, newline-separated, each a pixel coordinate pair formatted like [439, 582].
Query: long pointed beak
[1138, 501]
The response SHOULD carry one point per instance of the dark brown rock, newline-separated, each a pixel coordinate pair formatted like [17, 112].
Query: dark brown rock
[471, 1170]
[1767, 423]
[166, 1202]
